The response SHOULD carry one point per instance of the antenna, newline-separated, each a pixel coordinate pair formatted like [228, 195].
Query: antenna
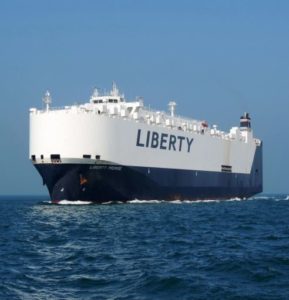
[172, 107]
[94, 94]
[114, 92]
[47, 100]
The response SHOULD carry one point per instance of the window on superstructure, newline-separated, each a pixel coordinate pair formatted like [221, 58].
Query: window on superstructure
[110, 101]
[115, 101]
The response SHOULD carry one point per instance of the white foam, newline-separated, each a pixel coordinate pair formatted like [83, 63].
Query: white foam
[136, 201]
[176, 202]
[77, 202]
[214, 200]
[201, 201]
[236, 199]
[283, 199]
[46, 202]
[261, 198]
[206, 201]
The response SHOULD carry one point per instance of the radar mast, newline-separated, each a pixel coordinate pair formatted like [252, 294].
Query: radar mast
[47, 100]
[114, 92]
[172, 107]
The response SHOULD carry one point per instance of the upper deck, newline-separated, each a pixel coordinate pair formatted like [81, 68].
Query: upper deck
[114, 105]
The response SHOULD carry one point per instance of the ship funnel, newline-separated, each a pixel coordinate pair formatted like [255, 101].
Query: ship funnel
[245, 122]
[47, 100]
[172, 107]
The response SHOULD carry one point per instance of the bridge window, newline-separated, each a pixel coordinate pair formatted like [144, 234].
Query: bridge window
[97, 101]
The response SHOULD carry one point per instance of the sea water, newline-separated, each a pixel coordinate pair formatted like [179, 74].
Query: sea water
[237, 249]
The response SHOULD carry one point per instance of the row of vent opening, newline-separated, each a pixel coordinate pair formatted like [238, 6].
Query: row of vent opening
[55, 157]
[226, 168]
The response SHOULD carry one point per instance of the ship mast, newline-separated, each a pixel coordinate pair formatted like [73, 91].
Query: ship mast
[47, 100]
[114, 92]
[172, 107]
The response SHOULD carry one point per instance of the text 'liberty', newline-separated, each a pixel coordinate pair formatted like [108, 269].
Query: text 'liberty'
[164, 141]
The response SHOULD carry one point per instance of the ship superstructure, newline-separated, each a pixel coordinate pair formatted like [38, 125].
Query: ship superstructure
[111, 149]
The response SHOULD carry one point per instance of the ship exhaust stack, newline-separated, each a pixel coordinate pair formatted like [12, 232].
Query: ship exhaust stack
[245, 122]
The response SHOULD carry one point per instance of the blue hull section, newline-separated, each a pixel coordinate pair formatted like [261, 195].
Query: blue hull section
[101, 183]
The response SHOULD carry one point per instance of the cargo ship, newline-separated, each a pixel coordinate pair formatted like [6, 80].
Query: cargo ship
[110, 149]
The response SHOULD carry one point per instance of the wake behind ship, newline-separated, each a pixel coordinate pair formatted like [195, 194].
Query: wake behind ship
[112, 150]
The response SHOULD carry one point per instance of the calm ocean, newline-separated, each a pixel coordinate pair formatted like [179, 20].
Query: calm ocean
[202, 250]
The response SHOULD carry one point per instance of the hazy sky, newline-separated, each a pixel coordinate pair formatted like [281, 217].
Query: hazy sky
[216, 59]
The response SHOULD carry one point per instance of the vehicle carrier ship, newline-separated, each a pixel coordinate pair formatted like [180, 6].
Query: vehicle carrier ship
[110, 149]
